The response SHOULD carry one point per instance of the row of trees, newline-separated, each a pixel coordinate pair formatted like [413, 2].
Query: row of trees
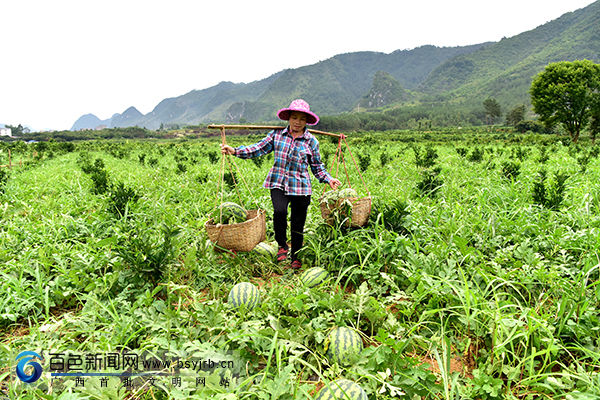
[566, 93]
[493, 112]
[17, 130]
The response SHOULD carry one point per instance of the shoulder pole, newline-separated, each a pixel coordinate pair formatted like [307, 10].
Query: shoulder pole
[269, 127]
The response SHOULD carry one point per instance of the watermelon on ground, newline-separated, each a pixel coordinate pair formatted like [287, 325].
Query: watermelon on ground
[343, 346]
[313, 277]
[265, 249]
[246, 294]
[342, 389]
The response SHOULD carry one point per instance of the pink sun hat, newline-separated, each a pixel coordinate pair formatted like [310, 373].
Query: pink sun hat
[302, 106]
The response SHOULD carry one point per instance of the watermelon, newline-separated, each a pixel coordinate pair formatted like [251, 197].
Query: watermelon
[348, 192]
[343, 346]
[342, 389]
[245, 294]
[313, 277]
[229, 213]
[265, 249]
[334, 196]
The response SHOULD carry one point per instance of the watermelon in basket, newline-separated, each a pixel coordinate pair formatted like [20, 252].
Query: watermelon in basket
[229, 213]
[239, 230]
[345, 204]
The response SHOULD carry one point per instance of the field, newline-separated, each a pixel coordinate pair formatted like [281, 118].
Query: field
[476, 278]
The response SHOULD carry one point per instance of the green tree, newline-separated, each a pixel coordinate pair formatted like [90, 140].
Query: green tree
[516, 115]
[566, 93]
[492, 110]
[595, 122]
[16, 130]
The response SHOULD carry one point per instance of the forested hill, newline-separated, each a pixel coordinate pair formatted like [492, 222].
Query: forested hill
[504, 70]
[430, 75]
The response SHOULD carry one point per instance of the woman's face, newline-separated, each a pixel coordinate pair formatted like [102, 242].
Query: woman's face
[297, 121]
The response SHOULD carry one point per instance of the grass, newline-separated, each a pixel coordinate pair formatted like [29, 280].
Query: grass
[478, 275]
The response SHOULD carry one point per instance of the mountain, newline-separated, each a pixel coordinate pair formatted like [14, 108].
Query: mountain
[337, 84]
[427, 76]
[504, 70]
[129, 117]
[330, 86]
[88, 121]
[385, 90]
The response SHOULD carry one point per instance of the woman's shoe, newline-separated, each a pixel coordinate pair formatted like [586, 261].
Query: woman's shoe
[282, 254]
[296, 264]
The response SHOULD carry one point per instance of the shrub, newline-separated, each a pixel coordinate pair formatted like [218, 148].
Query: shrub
[549, 195]
[325, 154]
[533, 126]
[364, 160]
[258, 161]
[66, 147]
[100, 180]
[476, 155]
[230, 179]
[583, 161]
[426, 160]
[520, 153]
[431, 182]
[181, 168]
[147, 256]
[120, 198]
[202, 177]
[543, 155]
[213, 156]
[4, 175]
[511, 170]
[462, 151]
[384, 158]
[393, 215]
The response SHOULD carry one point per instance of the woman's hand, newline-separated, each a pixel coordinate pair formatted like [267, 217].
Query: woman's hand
[227, 149]
[334, 183]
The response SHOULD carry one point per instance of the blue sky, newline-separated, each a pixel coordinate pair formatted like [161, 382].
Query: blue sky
[64, 59]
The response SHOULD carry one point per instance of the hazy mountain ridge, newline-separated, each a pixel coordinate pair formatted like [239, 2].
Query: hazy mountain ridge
[89, 121]
[331, 86]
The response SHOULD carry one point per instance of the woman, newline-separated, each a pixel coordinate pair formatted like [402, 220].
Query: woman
[295, 150]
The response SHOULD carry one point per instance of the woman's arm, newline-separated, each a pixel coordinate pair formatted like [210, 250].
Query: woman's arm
[261, 148]
[318, 168]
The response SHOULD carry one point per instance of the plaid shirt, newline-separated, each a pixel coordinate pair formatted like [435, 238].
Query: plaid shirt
[292, 159]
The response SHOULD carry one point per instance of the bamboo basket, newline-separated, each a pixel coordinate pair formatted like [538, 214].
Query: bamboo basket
[361, 210]
[239, 237]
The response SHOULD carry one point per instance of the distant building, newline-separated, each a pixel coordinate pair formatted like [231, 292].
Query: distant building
[100, 127]
[6, 132]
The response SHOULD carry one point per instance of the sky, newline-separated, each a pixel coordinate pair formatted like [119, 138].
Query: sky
[65, 58]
